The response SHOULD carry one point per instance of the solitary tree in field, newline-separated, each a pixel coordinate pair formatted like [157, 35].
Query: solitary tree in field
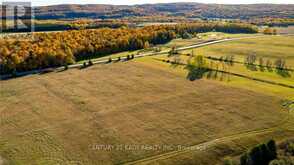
[261, 63]
[173, 51]
[90, 63]
[232, 60]
[250, 59]
[280, 64]
[249, 62]
[197, 68]
[200, 62]
[269, 63]
[229, 60]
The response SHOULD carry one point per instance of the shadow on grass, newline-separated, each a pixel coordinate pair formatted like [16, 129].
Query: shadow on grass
[262, 68]
[175, 64]
[269, 69]
[195, 73]
[283, 73]
[251, 67]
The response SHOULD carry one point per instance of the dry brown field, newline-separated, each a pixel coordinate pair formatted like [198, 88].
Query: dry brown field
[65, 117]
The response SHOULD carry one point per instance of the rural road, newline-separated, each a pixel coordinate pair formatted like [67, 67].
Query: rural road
[7, 76]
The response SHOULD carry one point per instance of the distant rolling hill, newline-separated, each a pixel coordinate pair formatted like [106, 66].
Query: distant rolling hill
[194, 10]
[189, 10]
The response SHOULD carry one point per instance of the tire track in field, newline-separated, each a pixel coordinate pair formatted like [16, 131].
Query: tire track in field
[195, 148]
[206, 145]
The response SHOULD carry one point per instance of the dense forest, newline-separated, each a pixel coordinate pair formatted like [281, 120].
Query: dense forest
[62, 25]
[61, 48]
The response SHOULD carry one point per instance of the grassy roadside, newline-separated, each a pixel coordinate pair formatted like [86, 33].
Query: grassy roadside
[202, 37]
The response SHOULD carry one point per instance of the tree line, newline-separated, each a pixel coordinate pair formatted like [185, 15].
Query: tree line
[62, 48]
[273, 22]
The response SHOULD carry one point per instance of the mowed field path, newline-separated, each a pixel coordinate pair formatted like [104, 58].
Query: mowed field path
[62, 117]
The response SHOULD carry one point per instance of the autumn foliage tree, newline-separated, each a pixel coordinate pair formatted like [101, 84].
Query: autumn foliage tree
[60, 48]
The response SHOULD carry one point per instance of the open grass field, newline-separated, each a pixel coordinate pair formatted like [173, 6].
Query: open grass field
[202, 37]
[268, 47]
[60, 117]
[145, 111]
[234, 81]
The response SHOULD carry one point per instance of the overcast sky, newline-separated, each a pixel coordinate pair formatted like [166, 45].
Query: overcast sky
[130, 2]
